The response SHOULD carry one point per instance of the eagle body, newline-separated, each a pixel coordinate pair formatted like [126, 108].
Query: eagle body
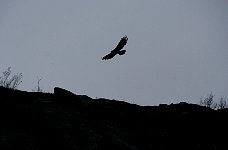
[118, 49]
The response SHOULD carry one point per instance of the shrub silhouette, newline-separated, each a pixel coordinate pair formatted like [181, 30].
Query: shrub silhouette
[8, 81]
[208, 101]
[38, 88]
[222, 103]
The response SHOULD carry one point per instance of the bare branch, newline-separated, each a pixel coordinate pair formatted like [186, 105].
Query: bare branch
[12, 82]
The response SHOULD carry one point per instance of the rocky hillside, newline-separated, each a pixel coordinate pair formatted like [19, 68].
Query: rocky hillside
[63, 120]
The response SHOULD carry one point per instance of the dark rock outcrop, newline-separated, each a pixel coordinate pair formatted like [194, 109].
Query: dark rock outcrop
[59, 92]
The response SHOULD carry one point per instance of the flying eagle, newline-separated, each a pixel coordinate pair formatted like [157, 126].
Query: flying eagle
[118, 48]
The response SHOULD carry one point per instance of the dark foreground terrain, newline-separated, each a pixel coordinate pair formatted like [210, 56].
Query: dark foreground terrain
[63, 120]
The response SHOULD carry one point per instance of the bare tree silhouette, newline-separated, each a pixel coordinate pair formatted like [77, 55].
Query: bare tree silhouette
[208, 101]
[222, 103]
[10, 82]
[38, 88]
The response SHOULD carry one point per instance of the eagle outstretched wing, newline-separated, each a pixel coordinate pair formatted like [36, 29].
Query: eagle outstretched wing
[121, 44]
[118, 48]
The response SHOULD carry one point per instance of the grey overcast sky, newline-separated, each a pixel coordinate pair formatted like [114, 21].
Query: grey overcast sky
[177, 49]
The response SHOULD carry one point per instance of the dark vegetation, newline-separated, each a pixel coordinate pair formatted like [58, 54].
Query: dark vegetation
[10, 81]
[211, 103]
[63, 120]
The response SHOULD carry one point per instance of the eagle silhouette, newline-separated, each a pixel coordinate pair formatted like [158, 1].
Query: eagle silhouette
[118, 49]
